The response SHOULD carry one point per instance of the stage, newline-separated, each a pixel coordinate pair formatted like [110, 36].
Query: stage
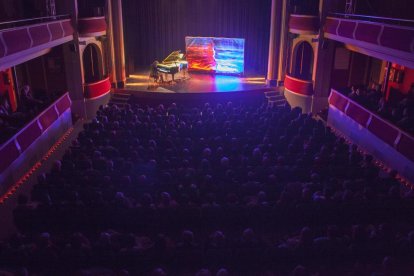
[196, 83]
[199, 87]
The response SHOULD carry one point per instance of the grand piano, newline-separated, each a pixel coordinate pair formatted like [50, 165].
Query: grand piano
[173, 64]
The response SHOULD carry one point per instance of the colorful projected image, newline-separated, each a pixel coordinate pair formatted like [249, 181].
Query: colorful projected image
[215, 54]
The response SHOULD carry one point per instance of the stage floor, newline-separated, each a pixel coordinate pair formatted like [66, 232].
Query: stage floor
[196, 83]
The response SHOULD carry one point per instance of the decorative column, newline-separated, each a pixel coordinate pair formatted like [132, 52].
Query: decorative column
[73, 62]
[118, 43]
[324, 60]
[110, 44]
[325, 55]
[284, 42]
[274, 42]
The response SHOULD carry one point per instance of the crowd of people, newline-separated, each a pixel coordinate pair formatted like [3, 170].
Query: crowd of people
[398, 109]
[215, 189]
[12, 121]
[356, 250]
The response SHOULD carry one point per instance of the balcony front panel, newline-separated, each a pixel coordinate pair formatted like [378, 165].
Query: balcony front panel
[398, 38]
[359, 115]
[303, 24]
[384, 41]
[92, 26]
[365, 31]
[16, 41]
[339, 101]
[28, 135]
[39, 34]
[385, 131]
[97, 89]
[298, 86]
[406, 146]
[20, 44]
[16, 146]
[9, 152]
[392, 146]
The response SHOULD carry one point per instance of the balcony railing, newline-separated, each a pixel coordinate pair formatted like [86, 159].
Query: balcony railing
[303, 24]
[381, 40]
[385, 131]
[97, 89]
[298, 86]
[92, 26]
[20, 44]
[378, 19]
[31, 21]
[15, 147]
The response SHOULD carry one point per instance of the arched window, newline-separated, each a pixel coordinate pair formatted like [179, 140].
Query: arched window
[302, 65]
[92, 64]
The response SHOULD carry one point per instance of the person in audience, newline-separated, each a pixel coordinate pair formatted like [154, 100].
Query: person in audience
[10, 122]
[28, 103]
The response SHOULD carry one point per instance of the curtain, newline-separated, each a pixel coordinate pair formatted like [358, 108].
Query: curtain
[155, 28]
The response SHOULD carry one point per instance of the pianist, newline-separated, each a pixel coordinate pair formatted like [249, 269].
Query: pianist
[155, 74]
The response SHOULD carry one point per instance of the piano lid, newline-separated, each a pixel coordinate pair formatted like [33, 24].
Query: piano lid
[173, 57]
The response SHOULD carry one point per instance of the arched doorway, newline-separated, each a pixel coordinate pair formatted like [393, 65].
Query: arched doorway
[302, 65]
[92, 64]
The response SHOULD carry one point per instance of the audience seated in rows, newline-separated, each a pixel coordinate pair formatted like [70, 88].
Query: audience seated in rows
[188, 190]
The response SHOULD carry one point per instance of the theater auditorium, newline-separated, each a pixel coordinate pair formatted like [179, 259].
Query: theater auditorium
[206, 137]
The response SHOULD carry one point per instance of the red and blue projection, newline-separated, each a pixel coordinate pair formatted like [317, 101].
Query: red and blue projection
[215, 54]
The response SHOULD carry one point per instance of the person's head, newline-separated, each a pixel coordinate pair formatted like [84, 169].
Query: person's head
[187, 237]
[224, 162]
[26, 90]
[305, 235]
[57, 166]
[203, 272]
[248, 235]
[299, 271]
[222, 272]
[158, 272]
[165, 197]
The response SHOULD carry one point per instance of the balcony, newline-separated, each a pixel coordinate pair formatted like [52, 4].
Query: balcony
[33, 141]
[92, 26]
[97, 89]
[392, 146]
[19, 44]
[304, 24]
[298, 86]
[387, 41]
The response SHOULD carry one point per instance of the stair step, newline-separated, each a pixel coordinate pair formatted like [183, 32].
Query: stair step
[117, 95]
[118, 103]
[276, 98]
[120, 99]
[271, 93]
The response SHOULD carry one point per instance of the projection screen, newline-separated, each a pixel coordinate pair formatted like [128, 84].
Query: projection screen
[215, 54]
